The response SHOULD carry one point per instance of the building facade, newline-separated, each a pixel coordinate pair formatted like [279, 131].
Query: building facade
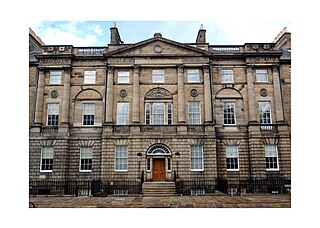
[160, 110]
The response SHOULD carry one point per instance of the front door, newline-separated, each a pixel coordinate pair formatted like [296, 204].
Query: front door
[158, 169]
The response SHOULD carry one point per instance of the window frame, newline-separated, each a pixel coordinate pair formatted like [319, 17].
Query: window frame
[192, 114]
[89, 77]
[160, 77]
[235, 149]
[56, 115]
[191, 75]
[167, 114]
[224, 76]
[126, 77]
[277, 157]
[262, 71]
[234, 118]
[86, 158]
[155, 114]
[46, 158]
[196, 157]
[53, 80]
[125, 158]
[263, 120]
[83, 115]
[121, 115]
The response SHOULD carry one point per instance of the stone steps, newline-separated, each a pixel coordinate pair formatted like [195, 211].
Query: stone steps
[158, 189]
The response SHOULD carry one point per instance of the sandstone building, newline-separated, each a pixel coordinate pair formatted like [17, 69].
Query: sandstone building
[209, 117]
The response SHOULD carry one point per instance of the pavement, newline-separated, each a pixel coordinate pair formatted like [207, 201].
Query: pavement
[201, 201]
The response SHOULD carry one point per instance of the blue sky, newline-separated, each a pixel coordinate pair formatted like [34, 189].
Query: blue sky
[97, 33]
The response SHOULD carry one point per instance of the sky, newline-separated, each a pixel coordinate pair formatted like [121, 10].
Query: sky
[97, 33]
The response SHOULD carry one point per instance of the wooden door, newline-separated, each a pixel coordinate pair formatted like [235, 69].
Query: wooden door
[158, 169]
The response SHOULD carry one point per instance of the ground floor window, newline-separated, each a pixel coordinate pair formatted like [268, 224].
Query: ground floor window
[196, 157]
[232, 158]
[121, 158]
[272, 162]
[85, 159]
[46, 159]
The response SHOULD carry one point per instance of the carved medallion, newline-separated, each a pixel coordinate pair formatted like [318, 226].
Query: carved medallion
[263, 92]
[123, 93]
[54, 94]
[194, 92]
[157, 48]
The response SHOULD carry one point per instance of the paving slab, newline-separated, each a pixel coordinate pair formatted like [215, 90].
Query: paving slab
[244, 201]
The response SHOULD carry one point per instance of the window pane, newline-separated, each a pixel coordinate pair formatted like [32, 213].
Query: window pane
[89, 77]
[55, 77]
[265, 113]
[194, 112]
[158, 113]
[123, 113]
[229, 113]
[52, 114]
[169, 113]
[271, 152]
[121, 158]
[158, 76]
[227, 75]
[193, 75]
[196, 157]
[262, 75]
[85, 158]
[88, 114]
[147, 113]
[123, 76]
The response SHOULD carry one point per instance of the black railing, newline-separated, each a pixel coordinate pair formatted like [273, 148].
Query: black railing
[238, 187]
[84, 187]
[194, 186]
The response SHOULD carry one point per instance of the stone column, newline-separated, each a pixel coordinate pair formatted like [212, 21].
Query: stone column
[39, 99]
[66, 97]
[277, 94]
[207, 97]
[136, 96]
[181, 102]
[251, 95]
[109, 103]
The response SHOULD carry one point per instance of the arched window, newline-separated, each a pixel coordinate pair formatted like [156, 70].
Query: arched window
[158, 107]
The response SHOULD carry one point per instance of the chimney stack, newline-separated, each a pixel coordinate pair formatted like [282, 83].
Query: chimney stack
[201, 38]
[115, 36]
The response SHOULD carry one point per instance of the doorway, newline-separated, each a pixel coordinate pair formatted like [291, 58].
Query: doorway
[159, 169]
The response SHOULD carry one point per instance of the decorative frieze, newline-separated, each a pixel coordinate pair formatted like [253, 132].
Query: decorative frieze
[158, 93]
[262, 59]
[120, 60]
[53, 62]
[195, 60]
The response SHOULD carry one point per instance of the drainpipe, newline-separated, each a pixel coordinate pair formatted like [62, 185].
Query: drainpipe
[211, 89]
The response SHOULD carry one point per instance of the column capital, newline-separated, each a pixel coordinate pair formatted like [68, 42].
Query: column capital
[249, 69]
[136, 69]
[180, 68]
[275, 69]
[110, 69]
[205, 68]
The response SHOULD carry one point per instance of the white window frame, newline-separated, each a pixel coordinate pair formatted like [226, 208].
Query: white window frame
[271, 148]
[193, 75]
[262, 75]
[149, 113]
[55, 77]
[89, 77]
[123, 117]
[158, 76]
[232, 152]
[52, 110]
[44, 155]
[262, 105]
[227, 76]
[168, 164]
[121, 149]
[124, 76]
[191, 119]
[192, 157]
[234, 112]
[85, 155]
[162, 114]
[86, 111]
